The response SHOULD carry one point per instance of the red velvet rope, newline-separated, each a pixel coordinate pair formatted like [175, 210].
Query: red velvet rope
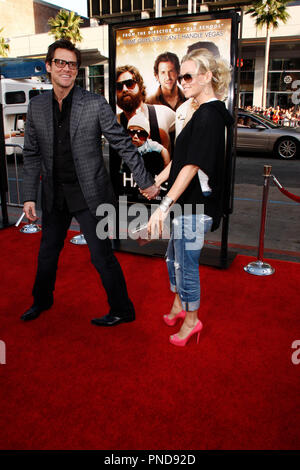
[290, 195]
[285, 192]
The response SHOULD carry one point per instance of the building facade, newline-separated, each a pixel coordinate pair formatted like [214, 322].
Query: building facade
[284, 64]
[26, 27]
[284, 61]
[25, 16]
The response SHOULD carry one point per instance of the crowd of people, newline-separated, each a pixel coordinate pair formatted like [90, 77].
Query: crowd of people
[283, 116]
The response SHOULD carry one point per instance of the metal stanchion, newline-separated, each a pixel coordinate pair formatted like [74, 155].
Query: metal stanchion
[78, 240]
[28, 228]
[259, 267]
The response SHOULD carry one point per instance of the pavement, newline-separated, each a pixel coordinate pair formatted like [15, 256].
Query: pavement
[281, 240]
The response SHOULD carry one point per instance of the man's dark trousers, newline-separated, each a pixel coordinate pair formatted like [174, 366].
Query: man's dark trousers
[54, 230]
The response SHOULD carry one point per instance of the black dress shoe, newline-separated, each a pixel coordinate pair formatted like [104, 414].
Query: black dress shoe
[33, 312]
[112, 319]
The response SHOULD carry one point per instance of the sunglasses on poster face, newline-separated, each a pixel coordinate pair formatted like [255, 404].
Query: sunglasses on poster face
[141, 134]
[130, 84]
[187, 77]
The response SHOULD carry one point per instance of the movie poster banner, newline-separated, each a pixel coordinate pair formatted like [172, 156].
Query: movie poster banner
[145, 87]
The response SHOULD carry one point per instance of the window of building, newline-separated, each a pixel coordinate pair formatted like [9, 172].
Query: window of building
[284, 100]
[247, 75]
[109, 7]
[283, 73]
[80, 79]
[115, 6]
[105, 7]
[247, 82]
[137, 5]
[96, 79]
[126, 5]
[285, 64]
[282, 81]
[95, 5]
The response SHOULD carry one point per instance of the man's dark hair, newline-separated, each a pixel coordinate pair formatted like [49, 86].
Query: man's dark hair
[62, 44]
[136, 75]
[205, 45]
[167, 57]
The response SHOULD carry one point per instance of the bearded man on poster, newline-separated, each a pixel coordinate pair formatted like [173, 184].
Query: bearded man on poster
[131, 97]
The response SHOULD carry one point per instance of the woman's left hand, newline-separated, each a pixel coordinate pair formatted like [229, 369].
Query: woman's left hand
[156, 223]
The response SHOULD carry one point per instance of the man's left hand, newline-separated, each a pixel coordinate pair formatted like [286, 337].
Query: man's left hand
[151, 192]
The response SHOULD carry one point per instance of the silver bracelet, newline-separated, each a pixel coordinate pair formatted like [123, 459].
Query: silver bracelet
[165, 204]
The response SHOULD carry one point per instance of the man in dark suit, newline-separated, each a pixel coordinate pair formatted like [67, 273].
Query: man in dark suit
[63, 145]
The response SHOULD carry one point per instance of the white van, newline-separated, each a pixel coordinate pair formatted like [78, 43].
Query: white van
[15, 95]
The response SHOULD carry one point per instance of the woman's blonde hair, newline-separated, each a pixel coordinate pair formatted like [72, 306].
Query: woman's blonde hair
[206, 62]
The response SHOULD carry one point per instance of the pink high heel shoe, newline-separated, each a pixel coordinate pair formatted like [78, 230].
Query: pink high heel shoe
[174, 339]
[172, 321]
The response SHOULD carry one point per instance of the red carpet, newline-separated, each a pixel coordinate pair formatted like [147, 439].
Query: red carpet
[67, 384]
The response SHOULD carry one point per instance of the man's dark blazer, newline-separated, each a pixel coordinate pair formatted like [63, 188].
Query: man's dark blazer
[91, 116]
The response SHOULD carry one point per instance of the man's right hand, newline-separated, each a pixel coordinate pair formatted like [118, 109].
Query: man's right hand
[29, 209]
[151, 192]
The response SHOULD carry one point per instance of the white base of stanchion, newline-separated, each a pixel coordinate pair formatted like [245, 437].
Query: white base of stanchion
[78, 240]
[259, 268]
[30, 228]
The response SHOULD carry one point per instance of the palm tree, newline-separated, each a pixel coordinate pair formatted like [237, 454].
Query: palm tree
[268, 13]
[66, 26]
[4, 47]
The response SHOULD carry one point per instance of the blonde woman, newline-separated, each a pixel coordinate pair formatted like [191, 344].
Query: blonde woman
[199, 146]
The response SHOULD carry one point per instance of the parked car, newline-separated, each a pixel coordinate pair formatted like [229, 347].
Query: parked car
[256, 133]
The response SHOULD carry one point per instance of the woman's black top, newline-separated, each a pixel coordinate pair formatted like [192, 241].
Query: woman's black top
[202, 143]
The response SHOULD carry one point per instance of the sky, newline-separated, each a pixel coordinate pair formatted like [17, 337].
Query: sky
[79, 6]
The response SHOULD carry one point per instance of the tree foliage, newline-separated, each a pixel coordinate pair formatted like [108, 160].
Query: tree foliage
[269, 12]
[66, 26]
[4, 47]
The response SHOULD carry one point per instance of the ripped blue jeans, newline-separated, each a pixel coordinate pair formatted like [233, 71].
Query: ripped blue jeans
[182, 257]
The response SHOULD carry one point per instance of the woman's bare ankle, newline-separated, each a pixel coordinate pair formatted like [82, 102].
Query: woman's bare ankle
[176, 307]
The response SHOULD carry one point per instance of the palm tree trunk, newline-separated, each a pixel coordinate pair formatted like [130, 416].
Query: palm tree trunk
[266, 69]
